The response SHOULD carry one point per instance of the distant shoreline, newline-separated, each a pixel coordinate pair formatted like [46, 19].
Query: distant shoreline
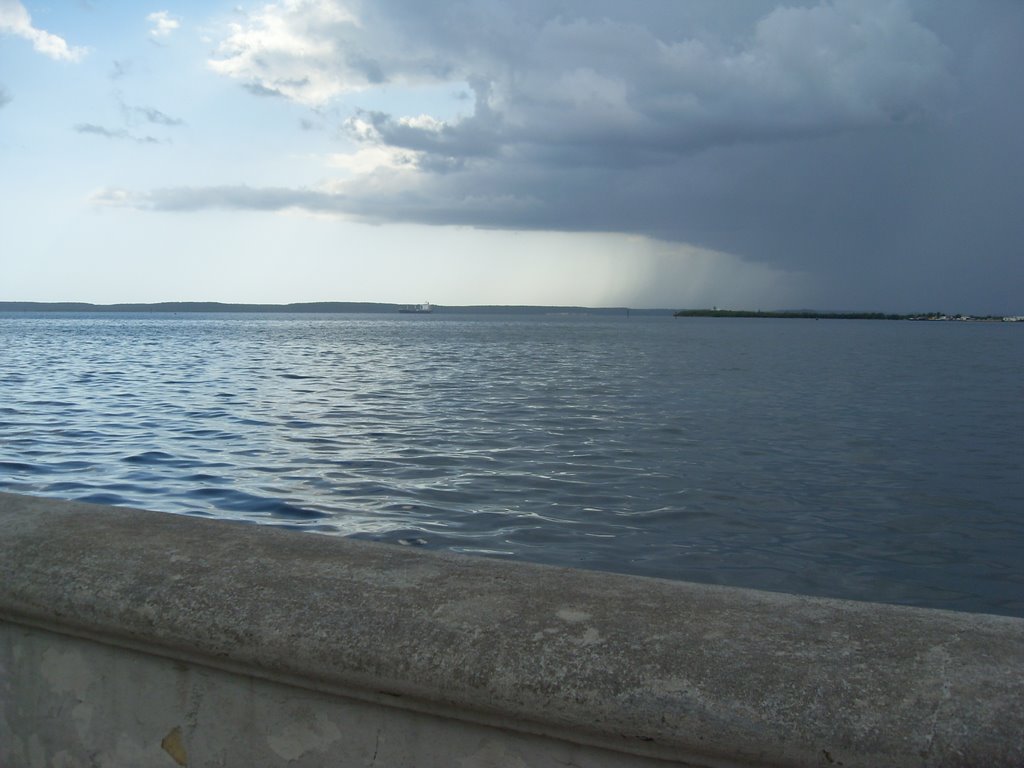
[802, 314]
[316, 307]
[372, 307]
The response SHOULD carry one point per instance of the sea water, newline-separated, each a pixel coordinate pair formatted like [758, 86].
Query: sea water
[874, 460]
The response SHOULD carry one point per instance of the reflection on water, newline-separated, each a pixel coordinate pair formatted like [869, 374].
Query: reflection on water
[873, 460]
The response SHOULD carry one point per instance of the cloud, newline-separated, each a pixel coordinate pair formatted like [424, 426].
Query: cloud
[866, 139]
[119, 69]
[257, 89]
[14, 19]
[578, 94]
[162, 24]
[5, 97]
[133, 115]
[585, 116]
[156, 116]
[305, 50]
[571, 73]
[113, 133]
[181, 199]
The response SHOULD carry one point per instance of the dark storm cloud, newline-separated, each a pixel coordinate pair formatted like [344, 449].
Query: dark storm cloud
[873, 143]
[478, 136]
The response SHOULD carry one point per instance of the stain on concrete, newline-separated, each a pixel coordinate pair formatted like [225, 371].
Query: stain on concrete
[298, 736]
[494, 754]
[572, 615]
[590, 637]
[67, 673]
[175, 747]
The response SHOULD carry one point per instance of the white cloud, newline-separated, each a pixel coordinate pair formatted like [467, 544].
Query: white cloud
[163, 24]
[298, 49]
[369, 159]
[423, 123]
[111, 196]
[14, 19]
[227, 198]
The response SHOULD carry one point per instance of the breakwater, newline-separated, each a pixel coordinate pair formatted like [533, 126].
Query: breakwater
[130, 638]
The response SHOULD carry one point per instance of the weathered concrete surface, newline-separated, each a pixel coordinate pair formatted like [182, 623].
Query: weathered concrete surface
[706, 676]
[91, 705]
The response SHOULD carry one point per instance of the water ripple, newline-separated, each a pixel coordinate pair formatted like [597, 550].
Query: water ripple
[878, 461]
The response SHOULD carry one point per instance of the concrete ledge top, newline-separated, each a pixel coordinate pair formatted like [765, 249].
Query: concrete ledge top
[710, 676]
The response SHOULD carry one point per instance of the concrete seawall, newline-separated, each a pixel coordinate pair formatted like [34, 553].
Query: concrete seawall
[133, 638]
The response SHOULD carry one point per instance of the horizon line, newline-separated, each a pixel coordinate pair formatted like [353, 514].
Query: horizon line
[381, 306]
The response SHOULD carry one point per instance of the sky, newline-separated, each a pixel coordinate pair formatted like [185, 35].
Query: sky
[840, 154]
